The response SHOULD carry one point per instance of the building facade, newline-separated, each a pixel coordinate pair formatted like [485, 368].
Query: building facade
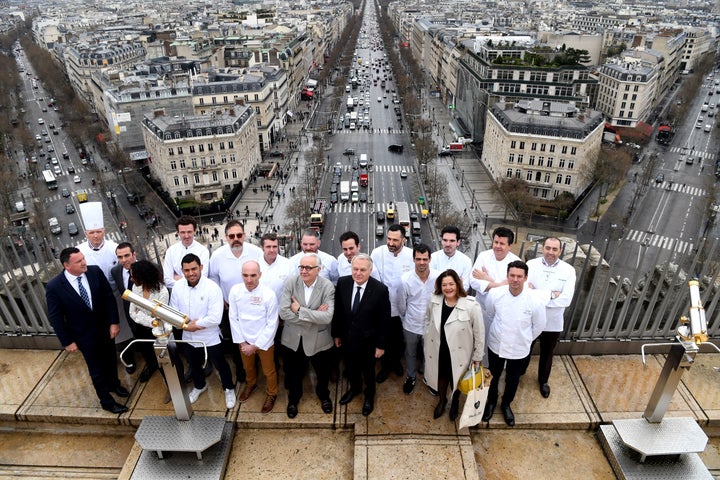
[627, 91]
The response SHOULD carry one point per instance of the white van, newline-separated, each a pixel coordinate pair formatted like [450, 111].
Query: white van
[354, 187]
[707, 128]
[355, 197]
[363, 160]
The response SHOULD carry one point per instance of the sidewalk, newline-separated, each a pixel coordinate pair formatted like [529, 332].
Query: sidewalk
[47, 401]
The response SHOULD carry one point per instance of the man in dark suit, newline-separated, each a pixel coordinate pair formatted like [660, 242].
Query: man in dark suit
[120, 273]
[83, 312]
[362, 314]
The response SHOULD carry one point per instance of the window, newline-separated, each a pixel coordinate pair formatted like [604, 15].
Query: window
[226, 174]
[529, 176]
[547, 178]
[558, 179]
[544, 193]
[513, 144]
[180, 150]
[193, 162]
[517, 173]
[202, 101]
[541, 160]
[187, 193]
[182, 163]
[171, 151]
[520, 158]
[231, 144]
[509, 173]
[623, 105]
[531, 160]
[176, 181]
[522, 145]
[533, 146]
[234, 174]
[538, 176]
[550, 162]
[511, 158]
[542, 147]
[201, 148]
[173, 165]
[203, 162]
[185, 180]
[178, 193]
[214, 177]
[568, 179]
[571, 164]
[212, 160]
[552, 148]
[223, 159]
[564, 149]
[232, 158]
[222, 145]
[561, 163]
[210, 147]
[573, 151]
[192, 148]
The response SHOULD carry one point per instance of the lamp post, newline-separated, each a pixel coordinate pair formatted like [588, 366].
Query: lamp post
[485, 226]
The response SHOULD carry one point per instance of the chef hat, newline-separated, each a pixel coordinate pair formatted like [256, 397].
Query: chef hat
[92, 215]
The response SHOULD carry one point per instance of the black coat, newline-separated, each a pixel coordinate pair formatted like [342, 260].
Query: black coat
[369, 324]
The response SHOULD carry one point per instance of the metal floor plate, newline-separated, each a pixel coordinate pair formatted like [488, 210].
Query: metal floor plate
[168, 434]
[626, 462]
[672, 436]
[185, 464]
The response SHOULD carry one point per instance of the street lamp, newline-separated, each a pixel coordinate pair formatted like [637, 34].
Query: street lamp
[485, 226]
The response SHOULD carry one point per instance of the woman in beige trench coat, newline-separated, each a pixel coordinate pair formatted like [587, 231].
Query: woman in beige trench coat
[454, 336]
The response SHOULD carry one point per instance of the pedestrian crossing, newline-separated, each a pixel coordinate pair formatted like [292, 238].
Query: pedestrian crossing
[347, 131]
[682, 188]
[349, 207]
[684, 151]
[384, 168]
[57, 197]
[659, 241]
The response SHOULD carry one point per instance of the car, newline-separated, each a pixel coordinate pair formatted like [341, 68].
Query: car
[73, 229]
[416, 240]
[54, 161]
[396, 148]
[71, 169]
[76, 179]
[380, 216]
[333, 188]
[56, 132]
[132, 198]
[403, 173]
[413, 217]
[69, 208]
[660, 178]
[57, 170]
[56, 108]
[44, 109]
[363, 197]
[50, 148]
[84, 161]
[354, 198]
[379, 99]
[380, 231]
[142, 211]
[349, 151]
[276, 153]
[387, 106]
[333, 198]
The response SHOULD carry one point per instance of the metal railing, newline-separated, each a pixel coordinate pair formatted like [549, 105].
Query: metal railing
[610, 313]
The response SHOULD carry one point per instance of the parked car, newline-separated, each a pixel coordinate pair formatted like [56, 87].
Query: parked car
[73, 229]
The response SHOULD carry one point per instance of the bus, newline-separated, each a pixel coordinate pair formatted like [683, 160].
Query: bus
[50, 180]
[403, 215]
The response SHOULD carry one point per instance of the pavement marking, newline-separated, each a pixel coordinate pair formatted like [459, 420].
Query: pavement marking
[682, 188]
[659, 241]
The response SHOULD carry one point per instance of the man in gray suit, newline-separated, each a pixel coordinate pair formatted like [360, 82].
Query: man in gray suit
[307, 307]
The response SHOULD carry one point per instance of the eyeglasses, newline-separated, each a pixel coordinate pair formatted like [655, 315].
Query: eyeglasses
[306, 267]
[233, 236]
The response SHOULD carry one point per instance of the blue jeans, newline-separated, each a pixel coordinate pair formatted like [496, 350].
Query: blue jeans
[413, 343]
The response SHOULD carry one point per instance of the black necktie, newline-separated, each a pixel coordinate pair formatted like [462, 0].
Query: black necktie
[130, 283]
[356, 302]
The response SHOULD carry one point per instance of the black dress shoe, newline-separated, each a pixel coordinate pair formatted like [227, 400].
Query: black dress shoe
[121, 391]
[147, 373]
[545, 390]
[292, 410]
[508, 415]
[116, 408]
[381, 376]
[488, 413]
[368, 406]
[440, 408]
[326, 406]
[454, 406]
[347, 397]
[131, 369]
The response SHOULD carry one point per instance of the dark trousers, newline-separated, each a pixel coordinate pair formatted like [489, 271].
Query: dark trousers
[360, 363]
[513, 372]
[548, 342]
[215, 354]
[145, 349]
[229, 348]
[295, 364]
[395, 345]
[101, 359]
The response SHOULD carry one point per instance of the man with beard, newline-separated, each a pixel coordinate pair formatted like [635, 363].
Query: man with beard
[310, 243]
[225, 269]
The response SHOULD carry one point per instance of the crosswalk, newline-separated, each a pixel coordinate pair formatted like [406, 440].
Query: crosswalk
[347, 131]
[385, 168]
[115, 236]
[683, 150]
[349, 207]
[682, 188]
[659, 241]
[57, 197]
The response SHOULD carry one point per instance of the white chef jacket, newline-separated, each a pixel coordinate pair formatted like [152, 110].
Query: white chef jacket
[459, 262]
[496, 269]
[226, 269]
[413, 300]
[253, 315]
[203, 302]
[173, 260]
[390, 269]
[545, 278]
[515, 321]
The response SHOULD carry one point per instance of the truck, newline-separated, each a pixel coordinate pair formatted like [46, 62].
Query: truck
[317, 217]
[455, 146]
[364, 178]
[403, 215]
[344, 191]
[665, 134]
[350, 103]
[353, 117]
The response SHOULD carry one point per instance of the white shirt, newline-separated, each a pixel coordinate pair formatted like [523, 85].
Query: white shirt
[515, 321]
[204, 303]
[104, 258]
[274, 274]
[329, 268]
[390, 269]
[253, 315]
[344, 267]
[459, 262]
[142, 316]
[497, 269]
[226, 269]
[173, 260]
[559, 277]
[413, 300]
[307, 290]
[73, 281]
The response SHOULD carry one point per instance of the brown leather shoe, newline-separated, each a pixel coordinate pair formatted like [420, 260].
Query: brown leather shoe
[269, 404]
[245, 394]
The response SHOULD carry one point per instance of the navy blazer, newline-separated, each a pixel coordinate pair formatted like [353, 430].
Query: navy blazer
[370, 322]
[72, 320]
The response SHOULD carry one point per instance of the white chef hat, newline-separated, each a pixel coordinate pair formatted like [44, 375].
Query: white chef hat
[92, 215]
